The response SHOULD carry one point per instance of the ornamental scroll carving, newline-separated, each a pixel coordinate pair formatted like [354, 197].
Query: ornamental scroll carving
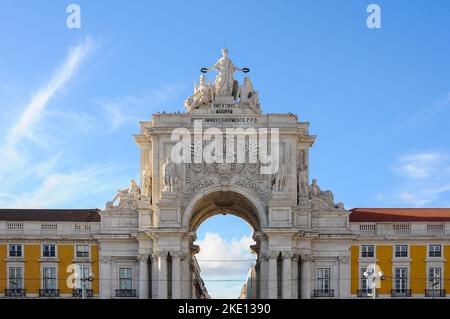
[199, 176]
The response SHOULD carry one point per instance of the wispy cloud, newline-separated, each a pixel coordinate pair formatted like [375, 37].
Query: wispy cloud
[33, 176]
[34, 110]
[431, 111]
[424, 180]
[131, 109]
[224, 264]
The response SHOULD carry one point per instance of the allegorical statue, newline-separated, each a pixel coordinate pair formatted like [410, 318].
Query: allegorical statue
[133, 192]
[225, 78]
[170, 175]
[315, 191]
[247, 95]
[280, 178]
[147, 182]
[203, 95]
[303, 188]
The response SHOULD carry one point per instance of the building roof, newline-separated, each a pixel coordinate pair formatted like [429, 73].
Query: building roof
[51, 215]
[399, 215]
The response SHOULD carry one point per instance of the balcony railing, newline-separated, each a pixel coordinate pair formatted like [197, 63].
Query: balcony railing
[126, 293]
[366, 293]
[78, 293]
[15, 293]
[435, 293]
[323, 293]
[48, 292]
[401, 293]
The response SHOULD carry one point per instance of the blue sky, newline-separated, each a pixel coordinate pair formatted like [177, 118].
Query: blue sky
[378, 99]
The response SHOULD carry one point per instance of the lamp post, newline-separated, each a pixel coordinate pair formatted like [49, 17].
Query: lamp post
[84, 281]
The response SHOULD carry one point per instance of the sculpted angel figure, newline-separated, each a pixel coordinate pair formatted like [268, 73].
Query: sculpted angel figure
[203, 94]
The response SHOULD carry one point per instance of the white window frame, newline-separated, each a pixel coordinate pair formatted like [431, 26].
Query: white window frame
[88, 251]
[362, 251]
[9, 276]
[429, 278]
[434, 245]
[130, 279]
[49, 244]
[323, 279]
[406, 277]
[401, 245]
[17, 245]
[43, 280]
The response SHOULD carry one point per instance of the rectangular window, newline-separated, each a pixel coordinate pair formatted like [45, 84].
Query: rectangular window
[434, 278]
[401, 250]
[48, 250]
[49, 278]
[125, 278]
[367, 251]
[15, 250]
[401, 280]
[364, 281]
[323, 279]
[15, 278]
[434, 251]
[82, 251]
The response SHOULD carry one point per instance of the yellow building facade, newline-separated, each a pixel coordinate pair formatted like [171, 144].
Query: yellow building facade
[402, 253]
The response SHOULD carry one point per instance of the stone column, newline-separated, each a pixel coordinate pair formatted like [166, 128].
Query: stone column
[176, 274]
[105, 277]
[344, 277]
[162, 275]
[273, 276]
[186, 282]
[143, 276]
[155, 275]
[295, 280]
[286, 276]
[306, 262]
[263, 276]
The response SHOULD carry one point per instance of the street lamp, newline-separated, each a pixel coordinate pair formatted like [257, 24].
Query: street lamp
[84, 281]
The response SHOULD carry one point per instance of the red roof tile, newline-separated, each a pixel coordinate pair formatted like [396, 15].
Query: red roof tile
[51, 215]
[399, 214]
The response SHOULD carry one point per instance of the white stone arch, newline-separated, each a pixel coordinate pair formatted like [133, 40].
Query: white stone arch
[251, 198]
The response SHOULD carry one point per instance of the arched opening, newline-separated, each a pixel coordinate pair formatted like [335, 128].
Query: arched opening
[227, 226]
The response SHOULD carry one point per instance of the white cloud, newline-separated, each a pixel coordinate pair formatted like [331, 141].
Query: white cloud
[419, 165]
[431, 111]
[121, 111]
[224, 264]
[424, 180]
[63, 188]
[34, 110]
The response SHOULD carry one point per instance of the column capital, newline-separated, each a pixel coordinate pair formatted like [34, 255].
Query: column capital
[177, 254]
[287, 254]
[344, 259]
[296, 257]
[142, 257]
[105, 259]
[273, 254]
[307, 258]
[161, 254]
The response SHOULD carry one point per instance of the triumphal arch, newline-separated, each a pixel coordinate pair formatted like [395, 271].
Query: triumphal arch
[224, 155]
